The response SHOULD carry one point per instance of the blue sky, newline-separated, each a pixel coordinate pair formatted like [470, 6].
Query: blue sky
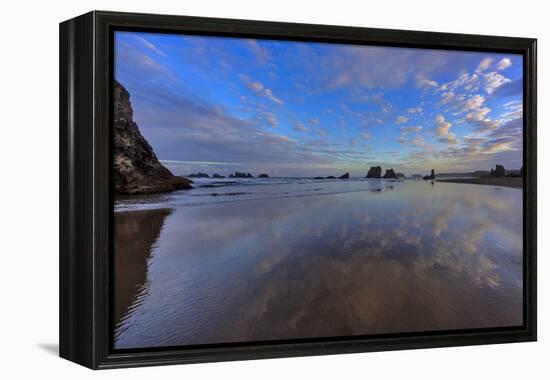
[288, 108]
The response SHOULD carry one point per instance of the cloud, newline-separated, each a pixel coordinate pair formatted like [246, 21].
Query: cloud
[446, 97]
[493, 80]
[270, 119]
[411, 129]
[401, 120]
[365, 135]
[465, 82]
[474, 112]
[415, 110]
[142, 65]
[423, 82]
[417, 141]
[504, 63]
[262, 54]
[442, 130]
[259, 89]
[514, 110]
[496, 145]
[372, 66]
[151, 46]
[299, 127]
[313, 122]
[484, 64]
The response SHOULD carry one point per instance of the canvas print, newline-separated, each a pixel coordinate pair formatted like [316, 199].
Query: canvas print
[271, 190]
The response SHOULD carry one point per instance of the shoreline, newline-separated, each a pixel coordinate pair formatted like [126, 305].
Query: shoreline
[513, 182]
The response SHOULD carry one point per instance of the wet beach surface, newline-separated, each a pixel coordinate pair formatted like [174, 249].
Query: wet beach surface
[288, 261]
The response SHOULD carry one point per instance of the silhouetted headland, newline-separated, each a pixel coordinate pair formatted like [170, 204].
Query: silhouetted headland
[136, 167]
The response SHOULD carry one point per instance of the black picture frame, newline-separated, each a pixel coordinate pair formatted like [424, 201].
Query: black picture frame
[86, 56]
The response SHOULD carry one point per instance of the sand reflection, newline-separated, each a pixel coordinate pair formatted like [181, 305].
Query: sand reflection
[410, 258]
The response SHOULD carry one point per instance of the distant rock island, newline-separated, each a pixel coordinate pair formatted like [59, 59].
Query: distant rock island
[498, 176]
[137, 169]
[429, 177]
[198, 175]
[374, 172]
[390, 174]
[343, 176]
[263, 175]
[241, 175]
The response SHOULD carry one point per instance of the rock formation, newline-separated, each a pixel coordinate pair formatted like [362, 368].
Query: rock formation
[331, 177]
[390, 174]
[430, 177]
[319, 178]
[216, 175]
[136, 167]
[263, 175]
[374, 172]
[241, 175]
[344, 176]
[400, 175]
[198, 175]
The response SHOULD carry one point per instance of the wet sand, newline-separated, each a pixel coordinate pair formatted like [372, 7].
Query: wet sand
[514, 182]
[415, 256]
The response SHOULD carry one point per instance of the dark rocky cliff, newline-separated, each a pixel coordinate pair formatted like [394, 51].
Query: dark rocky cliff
[136, 167]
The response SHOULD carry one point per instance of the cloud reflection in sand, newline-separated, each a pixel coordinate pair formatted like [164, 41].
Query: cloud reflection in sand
[412, 258]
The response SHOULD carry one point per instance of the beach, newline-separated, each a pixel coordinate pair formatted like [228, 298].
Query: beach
[299, 258]
[514, 182]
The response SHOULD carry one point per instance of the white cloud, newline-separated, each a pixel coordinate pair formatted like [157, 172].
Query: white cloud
[401, 120]
[464, 81]
[420, 142]
[411, 129]
[484, 64]
[149, 45]
[473, 103]
[514, 111]
[365, 135]
[423, 82]
[442, 130]
[261, 54]
[259, 89]
[475, 113]
[446, 97]
[271, 119]
[415, 110]
[493, 80]
[299, 127]
[504, 63]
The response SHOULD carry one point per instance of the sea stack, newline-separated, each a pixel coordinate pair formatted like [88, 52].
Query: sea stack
[374, 172]
[241, 175]
[198, 175]
[430, 177]
[344, 176]
[137, 169]
[500, 171]
[390, 174]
